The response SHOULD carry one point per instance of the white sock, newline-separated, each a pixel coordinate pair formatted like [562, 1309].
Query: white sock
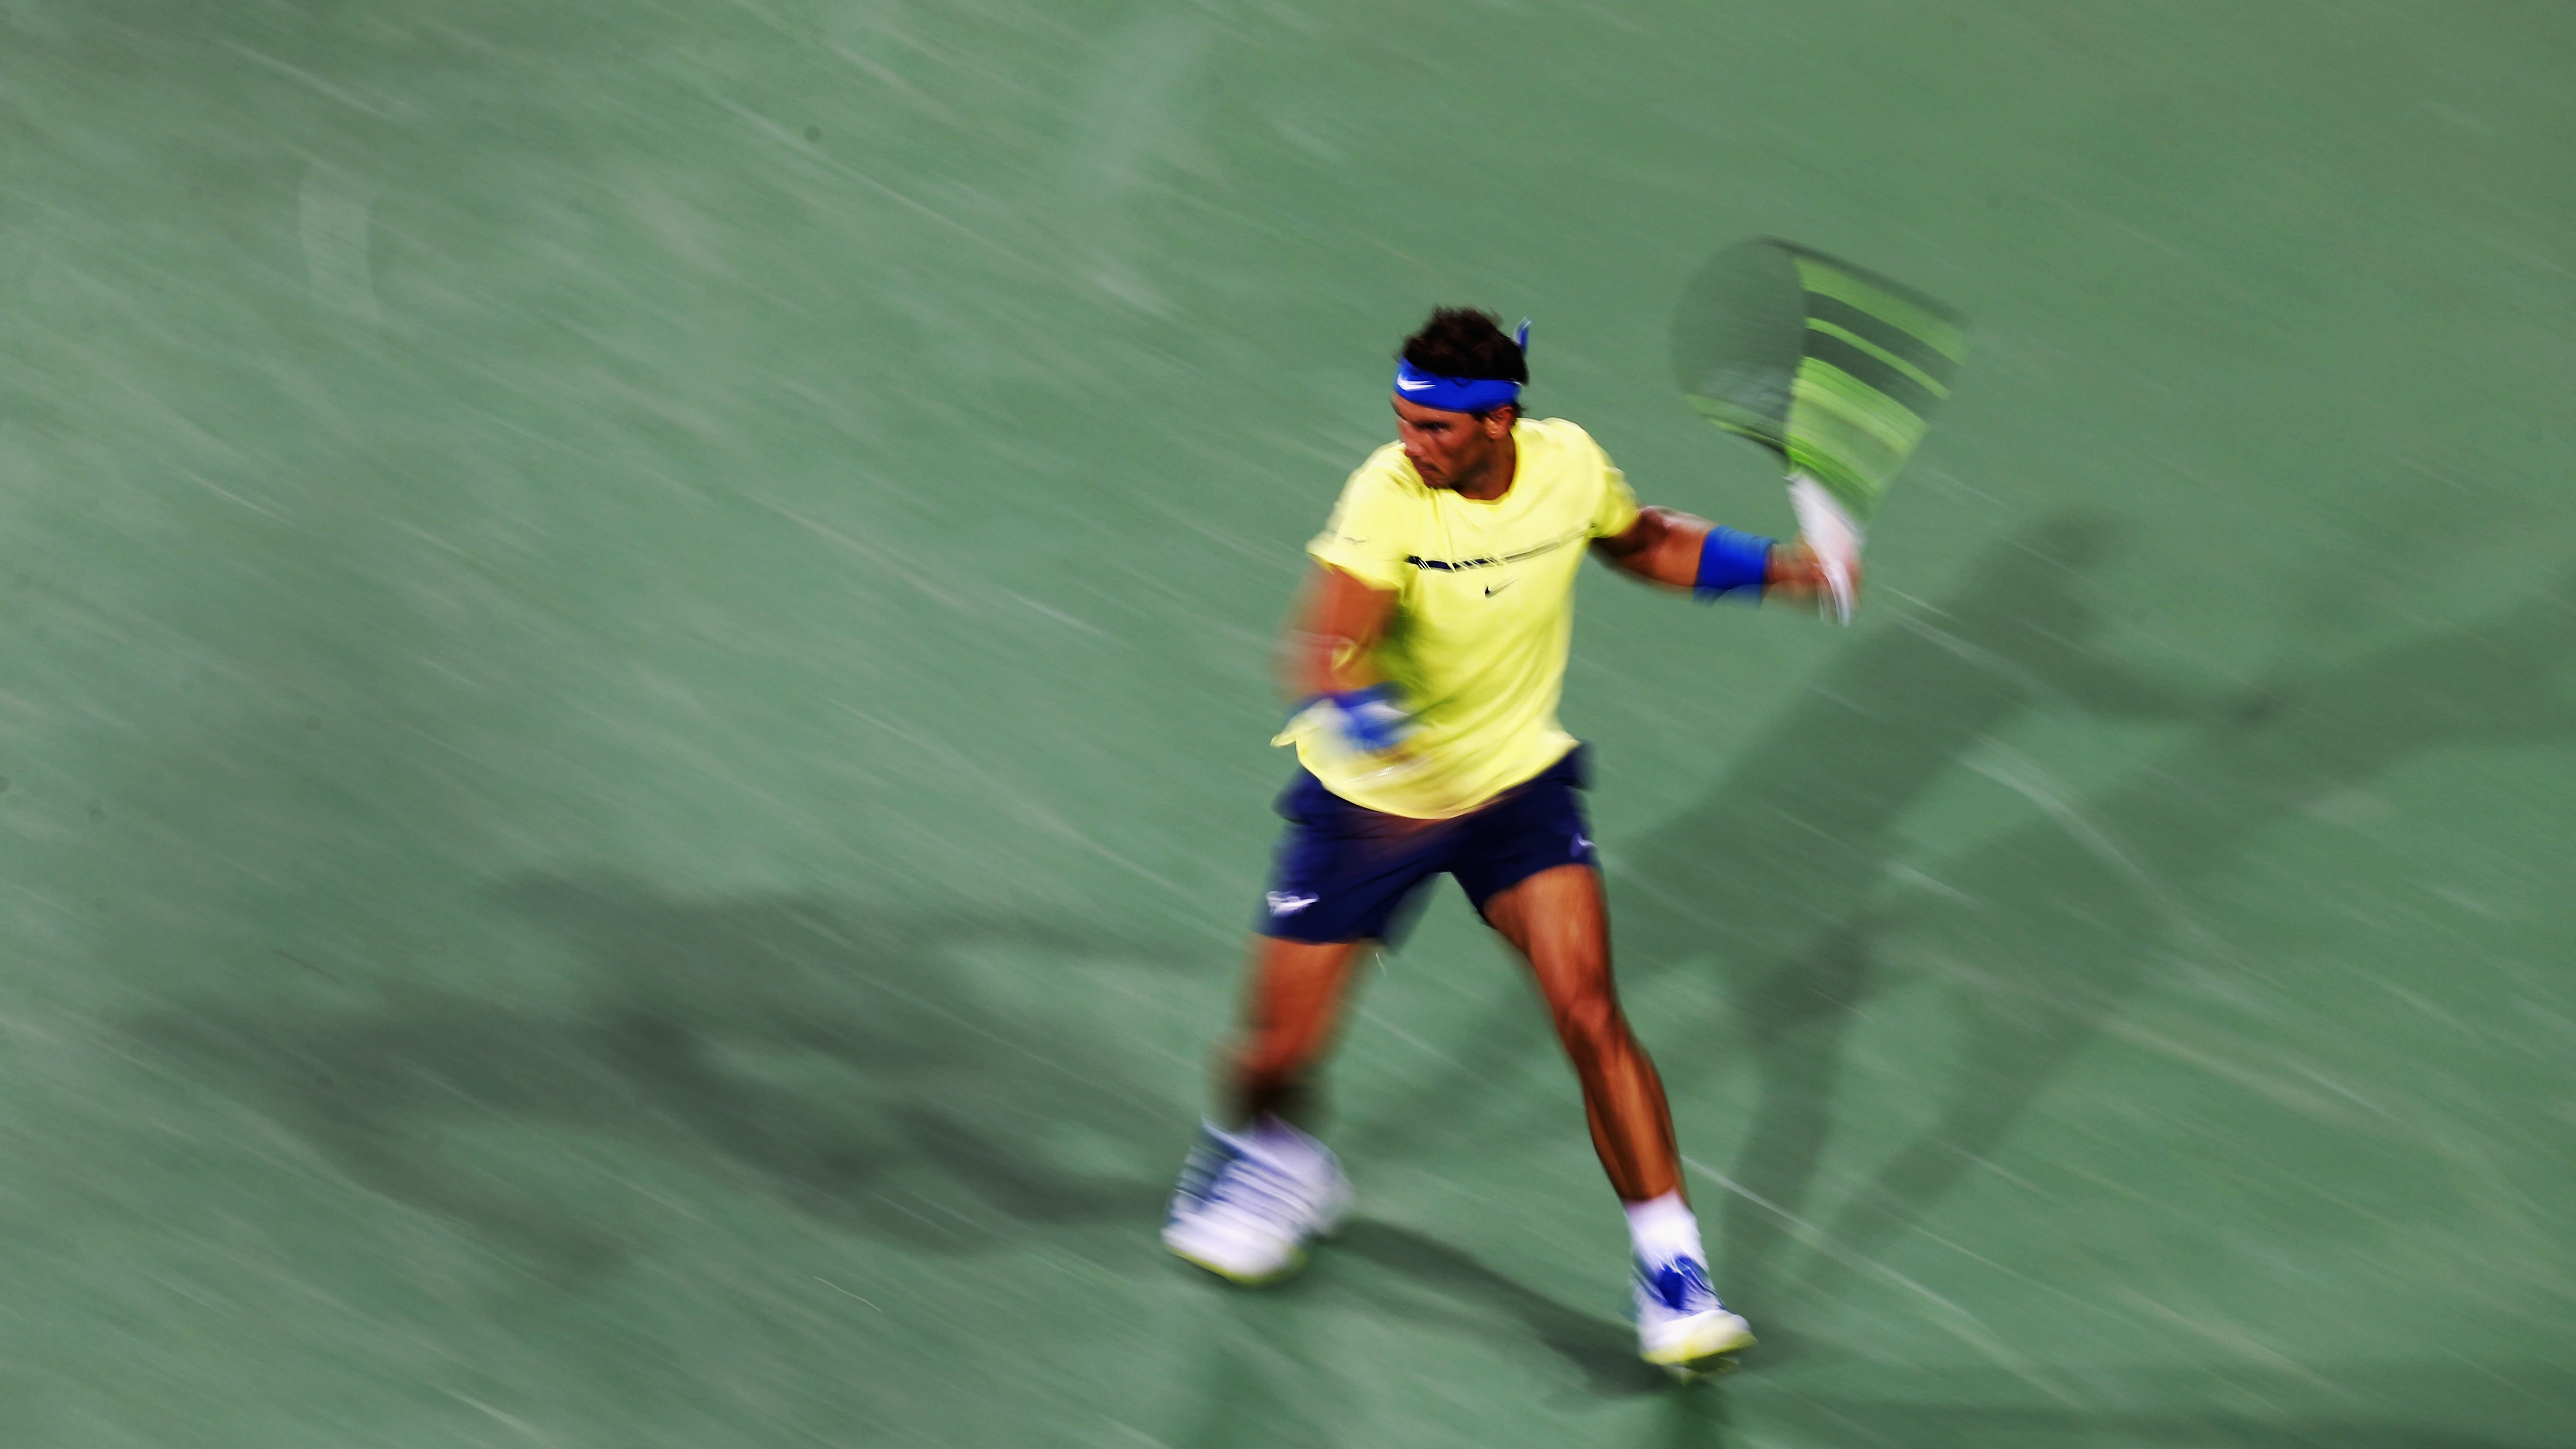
[1278, 1141]
[1664, 1228]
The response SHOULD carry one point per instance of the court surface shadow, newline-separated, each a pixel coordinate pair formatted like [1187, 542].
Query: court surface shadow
[1467, 1294]
[1767, 881]
[1784, 884]
[1264, 1383]
[2043, 934]
[845, 1063]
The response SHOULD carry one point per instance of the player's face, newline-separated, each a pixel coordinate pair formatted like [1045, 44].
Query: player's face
[1449, 449]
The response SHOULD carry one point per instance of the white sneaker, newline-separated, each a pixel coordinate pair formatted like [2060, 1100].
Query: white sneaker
[1248, 1202]
[1680, 1323]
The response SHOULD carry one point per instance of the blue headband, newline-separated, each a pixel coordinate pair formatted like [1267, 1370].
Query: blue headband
[1458, 394]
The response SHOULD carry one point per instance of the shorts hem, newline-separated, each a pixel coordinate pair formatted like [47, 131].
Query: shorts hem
[1536, 867]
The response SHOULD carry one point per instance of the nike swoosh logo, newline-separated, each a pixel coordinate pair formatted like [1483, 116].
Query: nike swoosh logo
[1409, 385]
[1493, 589]
[1284, 904]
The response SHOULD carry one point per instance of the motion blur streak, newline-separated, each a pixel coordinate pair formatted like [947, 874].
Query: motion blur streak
[633, 684]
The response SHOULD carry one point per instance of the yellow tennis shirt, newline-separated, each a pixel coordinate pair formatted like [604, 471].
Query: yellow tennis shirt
[1484, 612]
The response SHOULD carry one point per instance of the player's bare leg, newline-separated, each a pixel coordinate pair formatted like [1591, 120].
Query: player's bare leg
[1256, 1188]
[1559, 923]
[1292, 1005]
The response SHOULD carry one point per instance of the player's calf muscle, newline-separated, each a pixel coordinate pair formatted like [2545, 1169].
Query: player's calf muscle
[1291, 1006]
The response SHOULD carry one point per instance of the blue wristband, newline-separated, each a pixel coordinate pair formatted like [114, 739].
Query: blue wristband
[1730, 562]
[1371, 721]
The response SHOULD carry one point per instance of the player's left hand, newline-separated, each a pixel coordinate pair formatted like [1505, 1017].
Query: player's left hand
[1371, 721]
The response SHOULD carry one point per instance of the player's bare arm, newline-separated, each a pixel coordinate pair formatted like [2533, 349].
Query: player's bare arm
[1664, 546]
[1324, 648]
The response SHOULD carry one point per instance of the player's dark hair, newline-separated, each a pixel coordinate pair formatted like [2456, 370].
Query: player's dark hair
[1466, 342]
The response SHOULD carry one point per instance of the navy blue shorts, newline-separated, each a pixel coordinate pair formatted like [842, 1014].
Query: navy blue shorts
[1345, 873]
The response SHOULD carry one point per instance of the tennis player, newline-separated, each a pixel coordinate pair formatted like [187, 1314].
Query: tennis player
[1427, 654]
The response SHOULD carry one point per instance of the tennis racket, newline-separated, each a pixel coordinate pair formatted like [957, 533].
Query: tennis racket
[1832, 367]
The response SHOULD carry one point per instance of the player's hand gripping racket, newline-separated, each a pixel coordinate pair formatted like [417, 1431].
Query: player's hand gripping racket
[1834, 368]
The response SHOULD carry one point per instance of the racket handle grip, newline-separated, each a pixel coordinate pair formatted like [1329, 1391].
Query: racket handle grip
[1835, 536]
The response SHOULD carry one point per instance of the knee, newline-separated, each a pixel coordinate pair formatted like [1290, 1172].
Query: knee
[1592, 1023]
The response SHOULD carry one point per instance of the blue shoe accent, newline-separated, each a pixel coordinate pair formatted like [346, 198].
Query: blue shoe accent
[1680, 1323]
[1247, 1182]
[1246, 1208]
[1677, 1287]
[1210, 1159]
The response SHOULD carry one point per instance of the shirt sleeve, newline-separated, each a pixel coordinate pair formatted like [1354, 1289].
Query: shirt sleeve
[1616, 513]
[1370, 536]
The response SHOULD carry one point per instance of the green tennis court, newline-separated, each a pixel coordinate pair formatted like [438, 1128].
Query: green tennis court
[632, 701]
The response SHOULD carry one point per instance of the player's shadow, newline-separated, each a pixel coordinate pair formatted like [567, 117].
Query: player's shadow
[1768, 878]
[1265, 1378]
[1771, 879]
[2043, 934]
[1465, 1294]
[845, 1063]
[1783, 881]
[1264, 1386]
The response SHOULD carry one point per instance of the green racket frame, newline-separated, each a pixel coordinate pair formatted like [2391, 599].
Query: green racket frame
[1833, 367]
